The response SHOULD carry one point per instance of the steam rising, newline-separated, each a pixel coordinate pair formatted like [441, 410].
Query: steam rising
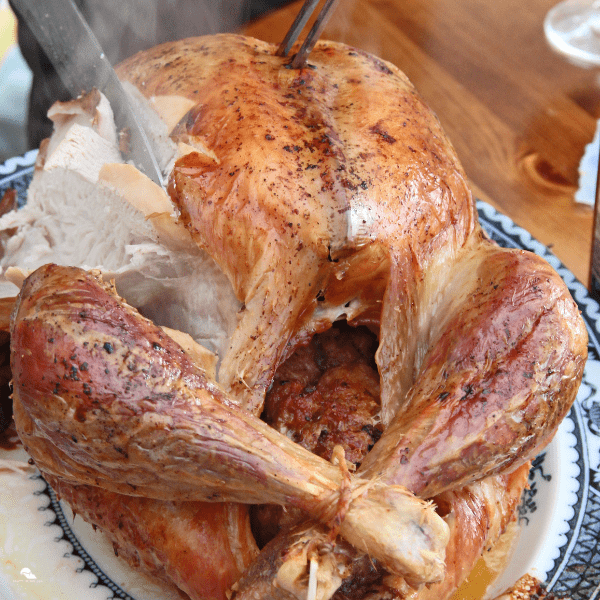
[124, 28]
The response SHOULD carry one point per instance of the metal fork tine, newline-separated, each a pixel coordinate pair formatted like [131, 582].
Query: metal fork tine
[313, 34]
[297, 26]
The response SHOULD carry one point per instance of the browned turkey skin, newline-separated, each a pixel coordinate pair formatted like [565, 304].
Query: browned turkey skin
[77, 324]
[203, 548]
[339, 197]
[477, 514]
[103, 397]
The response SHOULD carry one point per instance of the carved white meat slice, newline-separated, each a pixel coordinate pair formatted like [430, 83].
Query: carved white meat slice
[86, 207]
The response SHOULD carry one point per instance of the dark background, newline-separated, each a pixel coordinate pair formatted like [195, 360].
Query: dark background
[124, 27]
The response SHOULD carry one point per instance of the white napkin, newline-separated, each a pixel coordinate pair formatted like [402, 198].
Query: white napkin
[588, 171]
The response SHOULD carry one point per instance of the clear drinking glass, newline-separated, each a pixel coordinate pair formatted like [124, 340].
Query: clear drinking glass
[572, 28]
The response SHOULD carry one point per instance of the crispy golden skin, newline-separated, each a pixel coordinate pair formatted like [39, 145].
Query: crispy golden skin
[325, 180]
[202, 548]
[103, 397]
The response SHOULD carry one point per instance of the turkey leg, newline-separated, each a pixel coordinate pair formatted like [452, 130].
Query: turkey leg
[113, 402]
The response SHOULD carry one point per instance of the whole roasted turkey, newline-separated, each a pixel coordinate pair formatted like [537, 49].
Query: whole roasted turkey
[305, 198]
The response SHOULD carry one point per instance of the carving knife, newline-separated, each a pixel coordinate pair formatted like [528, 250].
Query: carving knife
[79, 60]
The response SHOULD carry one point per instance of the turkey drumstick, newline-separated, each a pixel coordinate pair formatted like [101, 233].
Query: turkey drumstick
[201, 547]
[103, 397]
[477, 515]
[502, 357]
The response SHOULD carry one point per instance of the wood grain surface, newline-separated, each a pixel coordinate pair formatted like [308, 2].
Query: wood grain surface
[519, 115]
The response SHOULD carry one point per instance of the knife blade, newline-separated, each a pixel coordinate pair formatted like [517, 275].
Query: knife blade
[79, 60]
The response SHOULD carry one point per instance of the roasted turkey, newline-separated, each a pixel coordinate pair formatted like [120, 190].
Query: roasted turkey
[297, 199]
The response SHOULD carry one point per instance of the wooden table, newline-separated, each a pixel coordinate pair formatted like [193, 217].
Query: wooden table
[518, 114]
